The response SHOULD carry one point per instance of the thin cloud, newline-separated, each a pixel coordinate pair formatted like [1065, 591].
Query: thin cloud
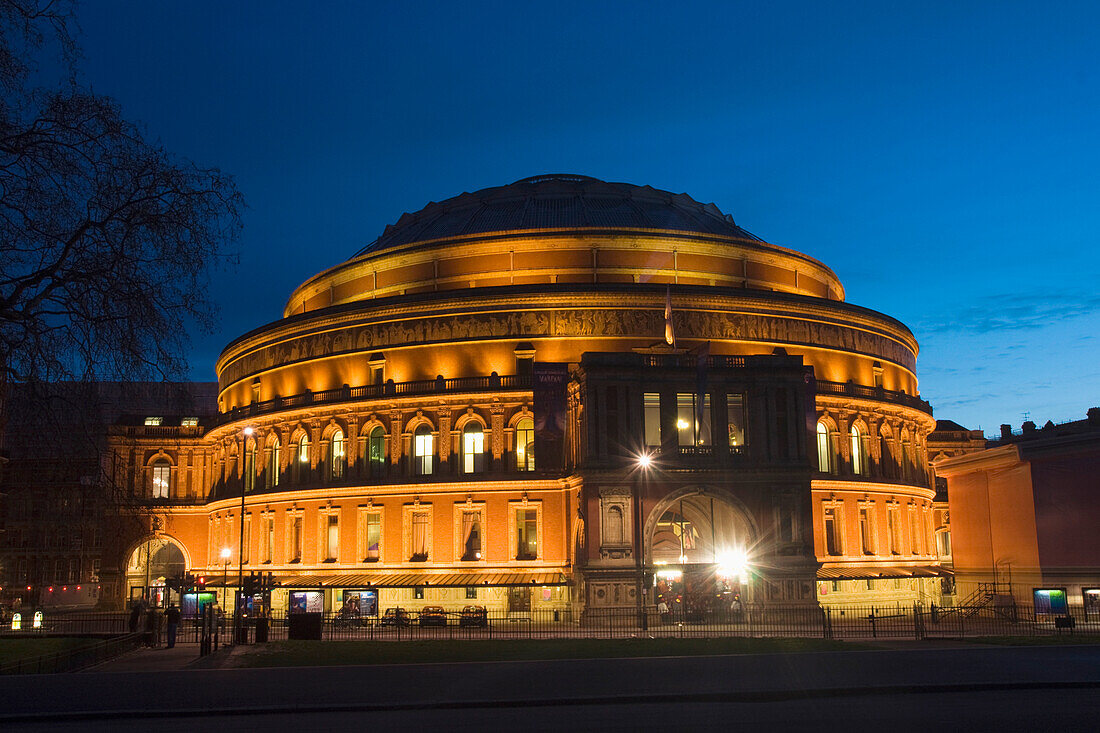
[1013, 312]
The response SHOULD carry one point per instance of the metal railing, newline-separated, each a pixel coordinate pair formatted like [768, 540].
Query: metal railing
[879, 394]
[71, 660]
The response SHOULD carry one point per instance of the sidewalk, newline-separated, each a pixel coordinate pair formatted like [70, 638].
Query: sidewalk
[162, 659]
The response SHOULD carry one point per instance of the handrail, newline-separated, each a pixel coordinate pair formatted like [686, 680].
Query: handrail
[875, 393]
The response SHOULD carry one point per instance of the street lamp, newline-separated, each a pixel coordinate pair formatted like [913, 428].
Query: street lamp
[643, 461]
[237, 610]
[225, 572]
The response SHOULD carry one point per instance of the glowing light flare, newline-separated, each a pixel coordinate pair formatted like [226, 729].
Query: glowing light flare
[733, 563]
[644, 460]
[225, 553]
[682, 424]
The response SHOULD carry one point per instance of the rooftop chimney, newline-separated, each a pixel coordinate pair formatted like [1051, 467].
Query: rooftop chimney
[1029, 427]
[1006, 432]
[1094, 415]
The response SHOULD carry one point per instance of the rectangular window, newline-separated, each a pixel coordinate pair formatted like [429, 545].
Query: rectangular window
[418, 593]
[269, 538]
[162, 475]
[525, 445]
[527, 534]
[943, 544]
[332, 537]
[153, 420]
[250, 469]
[692, 419]
[473, 450]
[377, 453]
[471, 593]
[735, 420]
[471, 536]
[419, 536]
[296, 538]
[866, 531]
[189, 422]
[832, 531]
[651, 408]
[374, 537]
[422, 454]
[893, 528]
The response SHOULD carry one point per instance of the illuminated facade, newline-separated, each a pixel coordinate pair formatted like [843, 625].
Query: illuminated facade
[553, 395]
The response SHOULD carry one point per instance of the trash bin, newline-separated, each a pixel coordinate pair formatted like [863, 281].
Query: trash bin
[261, 630]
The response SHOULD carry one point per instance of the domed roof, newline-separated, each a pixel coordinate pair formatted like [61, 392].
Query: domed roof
[558, 202]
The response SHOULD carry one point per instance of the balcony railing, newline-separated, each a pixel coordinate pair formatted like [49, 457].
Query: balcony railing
[372, 391]
[873, 393]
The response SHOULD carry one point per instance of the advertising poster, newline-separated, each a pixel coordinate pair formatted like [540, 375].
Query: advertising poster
[1051, 602]
[550, 379]
[307, 601]
[194, 603]
[359, 603]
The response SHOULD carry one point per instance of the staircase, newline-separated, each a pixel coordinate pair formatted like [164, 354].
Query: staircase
[982, 597]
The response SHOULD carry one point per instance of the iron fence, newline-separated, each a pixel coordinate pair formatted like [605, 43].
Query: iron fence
[70, 660]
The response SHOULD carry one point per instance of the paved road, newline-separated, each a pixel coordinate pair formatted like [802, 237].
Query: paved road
[1018, 687]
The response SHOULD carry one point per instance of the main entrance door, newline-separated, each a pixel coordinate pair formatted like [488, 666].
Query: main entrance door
[519, 600]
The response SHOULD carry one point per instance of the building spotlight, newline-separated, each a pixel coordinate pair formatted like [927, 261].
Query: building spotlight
[644, 459]
[248, 430]
[732, 563]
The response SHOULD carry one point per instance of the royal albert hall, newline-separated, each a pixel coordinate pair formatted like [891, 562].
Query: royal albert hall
[562, 394]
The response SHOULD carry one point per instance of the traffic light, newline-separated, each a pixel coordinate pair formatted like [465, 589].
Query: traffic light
[200, 582]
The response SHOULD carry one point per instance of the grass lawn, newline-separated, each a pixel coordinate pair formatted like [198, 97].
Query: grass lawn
[1037, 640]
[24, 648]
[330, 653]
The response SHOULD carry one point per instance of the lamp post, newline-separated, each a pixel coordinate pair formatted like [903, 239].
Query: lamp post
[238, 617]
[225, 573]
[644, 460]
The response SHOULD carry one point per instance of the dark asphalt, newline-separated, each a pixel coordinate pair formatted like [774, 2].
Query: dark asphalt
[804, 690]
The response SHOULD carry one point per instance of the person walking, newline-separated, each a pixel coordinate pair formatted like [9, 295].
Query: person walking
[172, 617]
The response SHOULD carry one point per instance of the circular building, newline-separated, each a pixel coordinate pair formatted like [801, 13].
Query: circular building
[560, 395]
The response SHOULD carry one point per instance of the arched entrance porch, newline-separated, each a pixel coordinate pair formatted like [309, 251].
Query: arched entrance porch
[149, 567]
[699, 544]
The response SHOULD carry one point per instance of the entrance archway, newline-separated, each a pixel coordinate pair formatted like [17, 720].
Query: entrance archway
[699, 542]
[151, 564]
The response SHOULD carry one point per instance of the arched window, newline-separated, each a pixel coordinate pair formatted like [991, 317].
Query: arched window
[823, 453]
[473, 448]
[274, 464]
[337, 451]
[886, 457]
[250, 466]
[525, 445]
[376, 452]
[162, 478]
[859, 466]
[301, 460]
[422, 451]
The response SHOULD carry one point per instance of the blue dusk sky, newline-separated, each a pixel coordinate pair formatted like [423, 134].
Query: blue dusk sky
[942, 158]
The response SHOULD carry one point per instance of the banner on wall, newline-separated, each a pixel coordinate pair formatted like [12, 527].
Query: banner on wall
[550, 379]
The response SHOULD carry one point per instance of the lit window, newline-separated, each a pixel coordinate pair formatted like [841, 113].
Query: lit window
[471, 536]
[376, 452]
[153, 420]
[301, 460]
[471, 593]
[422, 451]
[651, 406]
[419, 538]
[374, 537]
[189, 422]
[162, 477]
[337, 455]
[525, 445]
[943, 543]
[735, 419]
[527, 534]
[692, 425]
[274, 464]
[823, 453]
[856, 444]
[473, 448]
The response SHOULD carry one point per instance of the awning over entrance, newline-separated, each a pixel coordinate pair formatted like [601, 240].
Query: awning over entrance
[406, 580]
[919, 571]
